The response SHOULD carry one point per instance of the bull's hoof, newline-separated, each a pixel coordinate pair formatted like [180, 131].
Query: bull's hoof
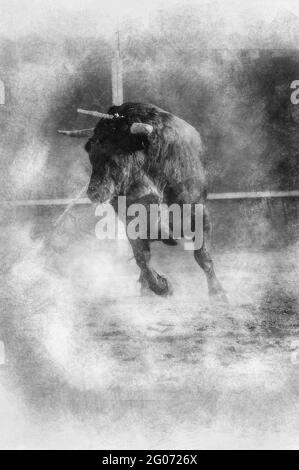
[160, 285]
[169, 241]
[218, 297]
[156, 283]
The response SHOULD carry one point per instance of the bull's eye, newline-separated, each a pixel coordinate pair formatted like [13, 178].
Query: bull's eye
[124, 128]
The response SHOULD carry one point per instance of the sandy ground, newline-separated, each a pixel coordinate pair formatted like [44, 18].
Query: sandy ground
[92, 363]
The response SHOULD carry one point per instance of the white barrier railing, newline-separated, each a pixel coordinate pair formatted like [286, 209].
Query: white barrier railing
[211, 197]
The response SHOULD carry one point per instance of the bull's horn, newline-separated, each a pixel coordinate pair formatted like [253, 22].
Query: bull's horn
[78, 133]
[95, 113]
[141, 128]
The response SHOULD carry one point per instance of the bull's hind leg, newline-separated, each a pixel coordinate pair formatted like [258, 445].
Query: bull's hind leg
[204, 259]
[148, 276]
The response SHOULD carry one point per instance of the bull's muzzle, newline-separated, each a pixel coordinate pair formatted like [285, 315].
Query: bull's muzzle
[100, 192]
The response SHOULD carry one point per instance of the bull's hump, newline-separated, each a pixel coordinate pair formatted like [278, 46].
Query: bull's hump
[173, 128]
[178, 131]
[148, 110]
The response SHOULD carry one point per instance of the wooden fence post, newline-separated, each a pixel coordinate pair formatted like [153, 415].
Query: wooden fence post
[117, 74]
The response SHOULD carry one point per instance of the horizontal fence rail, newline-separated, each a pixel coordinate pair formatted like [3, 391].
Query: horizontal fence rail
[45, 202]
[253, 195]
[211, 197]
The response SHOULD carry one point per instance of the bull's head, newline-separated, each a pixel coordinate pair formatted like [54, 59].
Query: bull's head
[116, 152]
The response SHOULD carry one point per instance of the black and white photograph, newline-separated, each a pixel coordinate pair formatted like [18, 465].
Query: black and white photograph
[149, 211]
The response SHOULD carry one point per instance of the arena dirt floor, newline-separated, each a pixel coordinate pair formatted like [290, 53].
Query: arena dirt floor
[92, 363]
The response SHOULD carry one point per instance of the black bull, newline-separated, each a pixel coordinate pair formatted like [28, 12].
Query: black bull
[161, 163]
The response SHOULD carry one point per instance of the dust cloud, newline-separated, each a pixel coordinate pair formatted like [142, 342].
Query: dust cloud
[88, 356]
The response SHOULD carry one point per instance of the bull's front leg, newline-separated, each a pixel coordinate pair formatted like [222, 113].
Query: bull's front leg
[149, 278]
[144, 194]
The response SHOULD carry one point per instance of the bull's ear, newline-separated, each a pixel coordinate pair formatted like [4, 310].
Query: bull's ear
[141, 128]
